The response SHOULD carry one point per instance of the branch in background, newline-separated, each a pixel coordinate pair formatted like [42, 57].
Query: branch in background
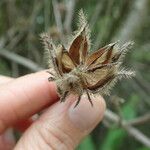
[69, 15]
[37, 6]
[138, 135]
[9, 35]
[11, 12]
[17, 38]
[58, 18]
[46, 14]
[105, 29]
[95, 16]
[133, 22]
[140, 120]
[127, 32]
[140, 91]
[112, 117]
[142, 83]
[20, 60]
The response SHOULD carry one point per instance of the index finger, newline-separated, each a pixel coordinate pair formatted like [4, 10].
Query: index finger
[25, 96]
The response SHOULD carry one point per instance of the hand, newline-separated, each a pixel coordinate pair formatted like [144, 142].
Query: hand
[60, 126]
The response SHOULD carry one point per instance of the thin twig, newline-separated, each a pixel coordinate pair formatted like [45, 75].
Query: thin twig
[133, 22]
[140, 91]
[20, 60]
[46, 14]
[137, 135]
[95, 16]
[142, 83]
[112, 117]
[69, 15]
[139, 120]
[58, 18]
[107, 23]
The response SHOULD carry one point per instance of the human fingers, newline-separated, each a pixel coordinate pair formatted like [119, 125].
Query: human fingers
[62, 126]
[4, 79]
[25, 96]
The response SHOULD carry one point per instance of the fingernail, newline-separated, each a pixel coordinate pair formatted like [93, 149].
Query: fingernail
[84, 116]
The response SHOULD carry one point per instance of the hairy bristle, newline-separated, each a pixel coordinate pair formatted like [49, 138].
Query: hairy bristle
[124, 73]
[82, 23]
[124, 49]
[77, 71]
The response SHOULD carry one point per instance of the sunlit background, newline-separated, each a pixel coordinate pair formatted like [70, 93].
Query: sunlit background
[127, 120]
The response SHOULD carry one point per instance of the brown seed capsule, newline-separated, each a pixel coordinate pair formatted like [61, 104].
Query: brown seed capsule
[77, 71]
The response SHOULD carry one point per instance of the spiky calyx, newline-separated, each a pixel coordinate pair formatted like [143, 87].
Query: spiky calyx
[77, 71]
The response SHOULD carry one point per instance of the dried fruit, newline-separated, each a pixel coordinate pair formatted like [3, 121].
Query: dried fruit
[77, 71]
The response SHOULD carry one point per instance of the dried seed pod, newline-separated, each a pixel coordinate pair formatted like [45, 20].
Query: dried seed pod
[78, 72]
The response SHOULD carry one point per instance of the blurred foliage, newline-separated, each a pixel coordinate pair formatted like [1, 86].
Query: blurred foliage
[21, 22]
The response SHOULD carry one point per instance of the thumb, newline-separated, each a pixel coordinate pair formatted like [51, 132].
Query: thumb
[62, 126]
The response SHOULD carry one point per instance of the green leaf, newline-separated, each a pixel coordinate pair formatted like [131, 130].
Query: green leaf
[113, 140]
[143, 148]
[87, 144]
[129, 109]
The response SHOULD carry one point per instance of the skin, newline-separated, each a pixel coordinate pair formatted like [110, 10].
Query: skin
[60, 125]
